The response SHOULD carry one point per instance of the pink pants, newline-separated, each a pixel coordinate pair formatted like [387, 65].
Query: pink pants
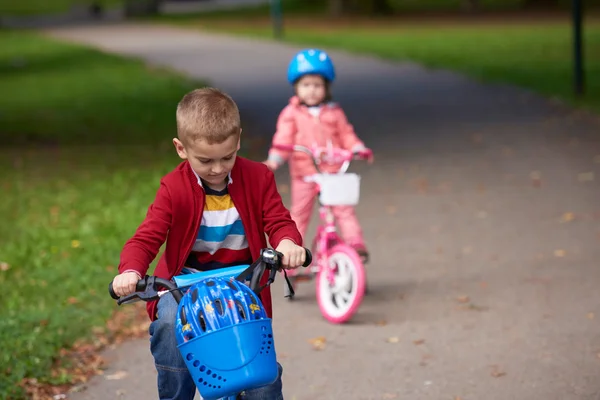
[303, 198]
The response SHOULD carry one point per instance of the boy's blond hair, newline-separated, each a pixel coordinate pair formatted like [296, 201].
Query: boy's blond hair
[207, 114]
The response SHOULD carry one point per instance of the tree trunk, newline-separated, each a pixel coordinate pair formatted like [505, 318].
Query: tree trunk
[470, 5]
[336, 8]
[381, 7]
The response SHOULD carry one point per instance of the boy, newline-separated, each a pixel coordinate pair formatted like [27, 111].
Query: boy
[210, 188]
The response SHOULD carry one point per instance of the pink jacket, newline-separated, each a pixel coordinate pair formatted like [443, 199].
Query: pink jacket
[296, 125]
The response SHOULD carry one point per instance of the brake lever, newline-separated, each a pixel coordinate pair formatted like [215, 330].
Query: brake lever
[146, 291]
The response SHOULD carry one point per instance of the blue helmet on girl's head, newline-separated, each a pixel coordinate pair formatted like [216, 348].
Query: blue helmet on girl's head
[311, 61]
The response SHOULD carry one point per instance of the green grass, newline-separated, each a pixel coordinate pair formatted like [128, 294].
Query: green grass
[35, 7]
[86, 137]
[532, 54]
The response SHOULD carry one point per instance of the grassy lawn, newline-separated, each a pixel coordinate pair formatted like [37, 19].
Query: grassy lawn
[532, 53]
[33, 7]
[85, 138]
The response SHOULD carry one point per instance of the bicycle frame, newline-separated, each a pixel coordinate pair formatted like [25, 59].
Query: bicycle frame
[147, 288]
[327, 235]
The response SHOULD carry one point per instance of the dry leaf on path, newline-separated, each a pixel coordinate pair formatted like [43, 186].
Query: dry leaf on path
[419, 342]
[318, 343]
[393, 339]
[116, 376]
[382, 322]
[567, 217]
[496, 372]
[389, 396]
[463, 299]
[560, 253]
[4, 266]
[585, 176]
[590, 315]
[536, 178]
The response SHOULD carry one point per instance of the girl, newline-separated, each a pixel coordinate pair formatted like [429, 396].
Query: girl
[311, 119]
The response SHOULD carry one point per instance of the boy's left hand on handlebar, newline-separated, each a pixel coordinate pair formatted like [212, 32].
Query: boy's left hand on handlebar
[293, 255]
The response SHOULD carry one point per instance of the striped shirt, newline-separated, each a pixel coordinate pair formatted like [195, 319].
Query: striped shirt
[221, 240]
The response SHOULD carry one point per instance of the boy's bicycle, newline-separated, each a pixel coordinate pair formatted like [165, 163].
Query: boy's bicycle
[339, 272]
[222, 330]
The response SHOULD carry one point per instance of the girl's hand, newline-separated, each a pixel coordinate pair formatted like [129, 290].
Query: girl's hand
[293, 255]
[366, 154]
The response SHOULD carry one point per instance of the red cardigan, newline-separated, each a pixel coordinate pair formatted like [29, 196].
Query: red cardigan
[176, 213]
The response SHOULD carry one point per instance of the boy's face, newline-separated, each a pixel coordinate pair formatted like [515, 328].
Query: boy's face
[212, 162]
[311, 89]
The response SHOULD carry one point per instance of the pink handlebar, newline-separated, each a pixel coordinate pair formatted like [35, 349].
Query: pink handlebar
[324, 154]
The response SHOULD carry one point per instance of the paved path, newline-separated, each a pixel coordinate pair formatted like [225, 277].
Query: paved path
[482, 289]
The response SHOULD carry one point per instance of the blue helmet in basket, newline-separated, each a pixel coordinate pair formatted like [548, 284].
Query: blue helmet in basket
[214, 304]
[225, 338]
[311, 61]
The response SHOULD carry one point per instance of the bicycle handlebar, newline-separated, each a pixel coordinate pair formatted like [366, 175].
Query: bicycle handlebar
[324, 154]
[146, 289]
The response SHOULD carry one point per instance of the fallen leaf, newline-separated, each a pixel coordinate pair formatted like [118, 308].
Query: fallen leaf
[116, 376]
[483, 285]
[567, 217]
[75, 243]
[419, 342]
[4, 266]
[318, 343]
[496, 372]
[560, 253]
[585, 176]
[382, 322]
[110, 268]
[536, 178]
[389, 396]
[457, 398]
[463, 299]
[590, 315]
[72, 300]
[391, 210]
[393, 339]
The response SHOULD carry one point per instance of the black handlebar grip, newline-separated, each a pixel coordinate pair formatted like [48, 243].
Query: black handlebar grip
[140, 286]
[308, 260]
[112, 292]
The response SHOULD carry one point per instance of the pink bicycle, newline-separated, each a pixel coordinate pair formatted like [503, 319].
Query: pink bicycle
[339, 271]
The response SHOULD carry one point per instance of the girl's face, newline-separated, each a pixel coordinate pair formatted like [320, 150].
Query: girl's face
[311, 89]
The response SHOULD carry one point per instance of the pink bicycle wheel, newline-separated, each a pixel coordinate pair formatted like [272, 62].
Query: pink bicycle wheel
[340, 299]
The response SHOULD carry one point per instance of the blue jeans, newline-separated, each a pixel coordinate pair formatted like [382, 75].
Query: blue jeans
[174, 379]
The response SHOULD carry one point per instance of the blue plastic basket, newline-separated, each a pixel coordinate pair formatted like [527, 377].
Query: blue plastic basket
[223, 364]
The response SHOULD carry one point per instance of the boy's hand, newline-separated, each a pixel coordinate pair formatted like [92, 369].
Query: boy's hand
[293, 255]
[271, 164]
[124, 283]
